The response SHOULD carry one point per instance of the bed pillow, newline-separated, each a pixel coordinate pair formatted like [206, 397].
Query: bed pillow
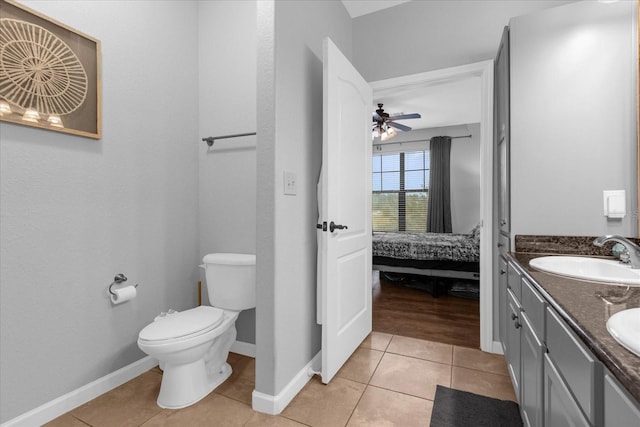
[475, 232]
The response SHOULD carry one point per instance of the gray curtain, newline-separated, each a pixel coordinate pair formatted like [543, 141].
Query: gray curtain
[439, 204]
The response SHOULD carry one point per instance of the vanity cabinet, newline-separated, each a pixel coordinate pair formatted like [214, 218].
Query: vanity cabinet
[556, 379]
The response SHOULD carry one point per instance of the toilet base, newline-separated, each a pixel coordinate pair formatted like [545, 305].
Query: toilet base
[185, 385]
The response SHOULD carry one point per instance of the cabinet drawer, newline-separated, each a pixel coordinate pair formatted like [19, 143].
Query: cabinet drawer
[514, 281]
[620, 409]
[578, 367]
[534, 305]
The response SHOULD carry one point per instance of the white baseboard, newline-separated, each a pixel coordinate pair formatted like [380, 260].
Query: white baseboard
[244, 348]
[496, 347]
[63, 404]
[273, 405]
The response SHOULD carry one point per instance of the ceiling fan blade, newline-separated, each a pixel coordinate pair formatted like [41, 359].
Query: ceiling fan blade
[399, 126]
[406, 116]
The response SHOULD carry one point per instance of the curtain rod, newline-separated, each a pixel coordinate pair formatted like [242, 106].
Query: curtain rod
[211, 139]
[417, 140]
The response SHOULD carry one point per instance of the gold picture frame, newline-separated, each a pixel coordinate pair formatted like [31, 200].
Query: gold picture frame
[49, 73]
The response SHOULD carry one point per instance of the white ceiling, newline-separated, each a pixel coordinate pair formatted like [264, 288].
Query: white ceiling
[447, 104]
[362, 7]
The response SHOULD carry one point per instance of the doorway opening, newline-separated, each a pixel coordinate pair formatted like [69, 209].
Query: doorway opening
[476, 316]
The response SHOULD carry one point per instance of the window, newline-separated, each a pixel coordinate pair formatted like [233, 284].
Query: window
[400, 191]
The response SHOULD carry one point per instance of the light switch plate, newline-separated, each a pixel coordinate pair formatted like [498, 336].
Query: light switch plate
[290, 184]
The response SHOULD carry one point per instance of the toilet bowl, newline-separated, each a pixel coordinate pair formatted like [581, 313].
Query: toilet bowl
[192, 345]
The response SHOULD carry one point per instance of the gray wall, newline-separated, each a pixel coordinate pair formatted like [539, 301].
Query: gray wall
[76, 211]
[465, 179]
[573, 120]
[421, 36]
[290, 139]
[227, 105]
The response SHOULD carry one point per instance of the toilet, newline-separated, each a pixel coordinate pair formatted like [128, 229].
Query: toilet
[192, 345]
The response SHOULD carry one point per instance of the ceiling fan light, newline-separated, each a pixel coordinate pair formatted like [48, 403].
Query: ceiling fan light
[391, 132]
[384, 136]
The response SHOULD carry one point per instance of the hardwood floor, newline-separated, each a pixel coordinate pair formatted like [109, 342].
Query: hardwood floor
[415, 313]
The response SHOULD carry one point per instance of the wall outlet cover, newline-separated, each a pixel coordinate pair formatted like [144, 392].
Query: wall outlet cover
[290, 183]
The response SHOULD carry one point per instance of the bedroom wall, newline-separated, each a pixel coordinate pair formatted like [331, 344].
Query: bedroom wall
[75, 211]
[465, 179]
[464, 173]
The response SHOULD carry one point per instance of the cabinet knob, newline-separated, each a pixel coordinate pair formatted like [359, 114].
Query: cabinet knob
[503, 272]
[517, 325]
[503, 222]
[500, 245]
[514, 316]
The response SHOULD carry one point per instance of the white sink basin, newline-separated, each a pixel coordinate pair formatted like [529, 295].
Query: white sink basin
[599, 270]
[624, 327]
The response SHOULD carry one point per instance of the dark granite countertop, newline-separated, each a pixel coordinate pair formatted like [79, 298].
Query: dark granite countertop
[586, 306]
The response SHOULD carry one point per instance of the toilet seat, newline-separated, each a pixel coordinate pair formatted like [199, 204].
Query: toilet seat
[182, 325]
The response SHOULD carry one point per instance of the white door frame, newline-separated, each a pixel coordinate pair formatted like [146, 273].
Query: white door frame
[483, 70]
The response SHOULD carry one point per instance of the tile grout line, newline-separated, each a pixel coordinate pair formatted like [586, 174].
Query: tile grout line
[368, 380]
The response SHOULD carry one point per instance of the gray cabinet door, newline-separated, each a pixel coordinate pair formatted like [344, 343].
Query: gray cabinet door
[532, 382]
[580, 369]
[560, 408]
[620, 408]
[502, 300]
[502, 132]
[513, 341]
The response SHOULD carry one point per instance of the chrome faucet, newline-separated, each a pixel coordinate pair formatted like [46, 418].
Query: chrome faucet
[631, 254]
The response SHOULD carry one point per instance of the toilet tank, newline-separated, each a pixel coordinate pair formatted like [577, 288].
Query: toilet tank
[231, 280]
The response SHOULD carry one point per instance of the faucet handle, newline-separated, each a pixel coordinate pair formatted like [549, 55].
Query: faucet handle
[625, 257]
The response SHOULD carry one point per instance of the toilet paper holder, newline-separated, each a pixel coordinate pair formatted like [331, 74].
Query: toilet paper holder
[118, 279]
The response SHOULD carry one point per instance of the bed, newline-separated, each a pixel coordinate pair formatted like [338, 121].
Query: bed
[428, 254]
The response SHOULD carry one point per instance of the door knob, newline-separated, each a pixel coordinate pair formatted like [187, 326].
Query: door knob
[334, 226]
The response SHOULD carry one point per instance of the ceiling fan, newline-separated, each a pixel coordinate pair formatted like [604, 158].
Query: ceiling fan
[384, 123]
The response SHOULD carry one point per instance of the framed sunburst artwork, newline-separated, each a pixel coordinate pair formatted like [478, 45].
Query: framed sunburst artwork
[49, 73]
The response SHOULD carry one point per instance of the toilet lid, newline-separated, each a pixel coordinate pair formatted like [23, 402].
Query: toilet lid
[183, 323]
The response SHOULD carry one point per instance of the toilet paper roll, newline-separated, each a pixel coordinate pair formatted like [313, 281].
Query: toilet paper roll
[123, 294]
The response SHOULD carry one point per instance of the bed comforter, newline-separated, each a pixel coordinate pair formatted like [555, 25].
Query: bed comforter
[427, 246]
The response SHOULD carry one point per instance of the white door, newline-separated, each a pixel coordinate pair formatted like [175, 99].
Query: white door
[345, 253]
